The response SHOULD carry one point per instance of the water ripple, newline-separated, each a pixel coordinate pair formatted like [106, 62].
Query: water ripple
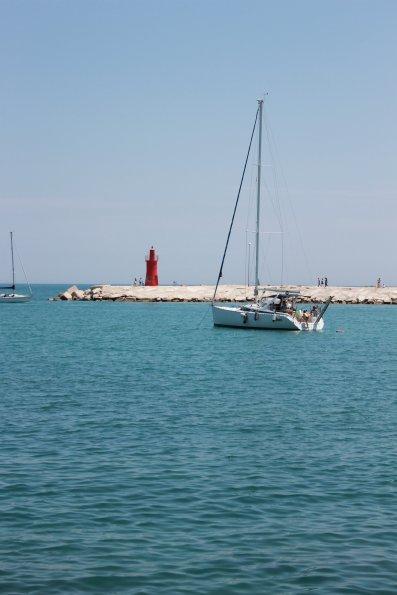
[141, 458]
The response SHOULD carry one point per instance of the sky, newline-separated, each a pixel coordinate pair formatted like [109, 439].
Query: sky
[125, 123]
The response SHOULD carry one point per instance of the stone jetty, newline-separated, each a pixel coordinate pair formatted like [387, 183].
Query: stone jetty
[227, 293]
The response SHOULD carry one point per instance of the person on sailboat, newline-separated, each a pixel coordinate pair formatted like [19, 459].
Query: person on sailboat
[277, 304]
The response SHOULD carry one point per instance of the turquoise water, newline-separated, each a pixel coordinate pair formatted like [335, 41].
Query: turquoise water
[143, 453]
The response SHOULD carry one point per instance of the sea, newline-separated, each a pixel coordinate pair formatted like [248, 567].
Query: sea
[144, 451]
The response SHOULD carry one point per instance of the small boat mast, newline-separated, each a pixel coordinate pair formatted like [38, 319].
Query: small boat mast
[12, 261]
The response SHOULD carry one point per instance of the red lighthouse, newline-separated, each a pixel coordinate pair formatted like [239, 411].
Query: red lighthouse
[152, 277]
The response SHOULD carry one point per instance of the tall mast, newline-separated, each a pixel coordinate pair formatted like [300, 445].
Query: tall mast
[258, 198]
[12, 261]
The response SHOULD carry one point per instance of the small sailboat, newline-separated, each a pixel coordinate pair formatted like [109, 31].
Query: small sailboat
[13, 297]
[277, 310]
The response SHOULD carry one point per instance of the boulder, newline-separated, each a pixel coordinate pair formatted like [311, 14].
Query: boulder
[73, 293]
[96, 293]
[77, 294]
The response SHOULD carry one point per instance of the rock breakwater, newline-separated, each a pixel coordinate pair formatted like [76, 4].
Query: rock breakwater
[227, 293]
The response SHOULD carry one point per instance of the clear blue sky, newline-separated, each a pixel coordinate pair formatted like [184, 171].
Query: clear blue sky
[125, 123]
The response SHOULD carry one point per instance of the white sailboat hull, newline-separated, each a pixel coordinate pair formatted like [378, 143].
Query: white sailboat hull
[14, 298]
[234, 316]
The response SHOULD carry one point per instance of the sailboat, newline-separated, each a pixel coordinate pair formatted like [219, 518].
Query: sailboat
[13, 297]
[277, 311]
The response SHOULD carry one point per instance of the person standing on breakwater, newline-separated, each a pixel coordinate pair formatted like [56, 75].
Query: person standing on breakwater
[378, 283]
[318, 281]
[325, 281]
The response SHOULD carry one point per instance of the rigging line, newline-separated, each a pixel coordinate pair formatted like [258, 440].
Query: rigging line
[247, 223]
[250, 198]
[277, 205]
[250, 258]
[250, 195]
[280, 222]
[308, 267]
[202, 318]
[264, 255]
[282, 261]
[269, 193]
[24, 272]
[262, 233]
[246, 264]
[278, 212]
[235, 207]
[245, 261]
